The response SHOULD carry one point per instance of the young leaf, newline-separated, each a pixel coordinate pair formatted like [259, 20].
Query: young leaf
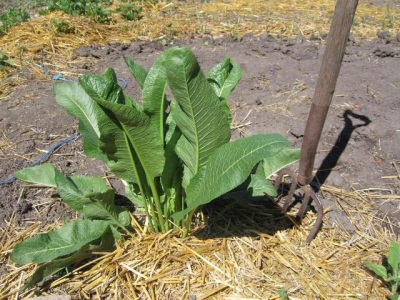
[138, 72]
[153, 97]
[394, 258]
[104, 87]
[63, 241]
[260, 185]
[196, 111]
[228, 167]
[73, 190]
[132, 147]
[43, 174]
[377, 269]
[224, 77]
[77, 102]
[279, 161]
[102, 207]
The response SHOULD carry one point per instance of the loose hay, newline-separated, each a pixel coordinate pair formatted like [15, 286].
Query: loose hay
[247, 251]
[244, 252]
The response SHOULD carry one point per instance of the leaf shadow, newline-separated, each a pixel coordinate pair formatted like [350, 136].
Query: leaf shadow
[241, 216]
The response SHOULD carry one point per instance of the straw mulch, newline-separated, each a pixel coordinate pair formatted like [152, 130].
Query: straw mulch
[245, 251]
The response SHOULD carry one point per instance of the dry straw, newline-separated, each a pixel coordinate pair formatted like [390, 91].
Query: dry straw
[245, 251]
[36, 42]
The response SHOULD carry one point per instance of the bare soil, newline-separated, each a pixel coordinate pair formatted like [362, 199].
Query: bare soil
[360, 142]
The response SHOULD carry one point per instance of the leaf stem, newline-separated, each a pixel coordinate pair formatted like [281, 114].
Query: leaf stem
[188, 222]
[157, 202]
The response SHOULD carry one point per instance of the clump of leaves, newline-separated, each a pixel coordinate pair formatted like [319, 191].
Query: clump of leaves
[91, 8]
[5, 62]
[12, 17]
[390, 273]
[129, 12]
[62, 27]
[173, 155]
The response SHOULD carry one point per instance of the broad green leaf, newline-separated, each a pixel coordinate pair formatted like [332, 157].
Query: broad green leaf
[104, 244]
[57, 265]
[196, 110]
[153, 96]
[63, 241]
[133, 148]
[224, 77]
[228, 167]
[282, 159]
[103, 87]
[102, 207]
[377, 269]
[138, 72]
[89, 184]
[73, 190]
[43, 174]
[260, 185]
[394, 258]
[77, 102]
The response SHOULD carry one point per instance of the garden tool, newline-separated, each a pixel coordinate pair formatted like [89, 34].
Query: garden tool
[329, 72]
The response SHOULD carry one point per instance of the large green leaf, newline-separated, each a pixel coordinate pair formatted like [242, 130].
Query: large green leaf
[133, 148]
[138, 72]
[104, 244]
[228, 167]
[153, 96]
[224, 77]
[63, 241]
[77, 102]
[43, 174]
[196, 110]
[57, 265]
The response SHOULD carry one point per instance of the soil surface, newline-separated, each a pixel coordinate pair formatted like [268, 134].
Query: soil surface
[359, 147]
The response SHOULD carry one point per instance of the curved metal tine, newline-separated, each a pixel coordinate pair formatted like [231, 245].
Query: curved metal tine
[293, 186]
[310, 194]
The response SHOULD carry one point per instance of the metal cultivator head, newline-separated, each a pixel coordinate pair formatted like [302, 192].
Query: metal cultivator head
[309, 196]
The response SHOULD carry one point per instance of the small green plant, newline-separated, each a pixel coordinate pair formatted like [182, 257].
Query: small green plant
[391, 273]
[62, 27]
[91, 8]
[12, 17]
[5, 62]
[172, 156]
[129, 12]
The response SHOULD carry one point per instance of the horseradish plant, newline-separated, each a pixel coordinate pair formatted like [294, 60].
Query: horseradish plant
[173, 156]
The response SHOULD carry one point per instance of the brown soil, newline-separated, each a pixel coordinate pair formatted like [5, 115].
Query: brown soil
[359, 146]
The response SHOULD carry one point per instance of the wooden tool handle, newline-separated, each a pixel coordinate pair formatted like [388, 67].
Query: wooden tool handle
[329, 72]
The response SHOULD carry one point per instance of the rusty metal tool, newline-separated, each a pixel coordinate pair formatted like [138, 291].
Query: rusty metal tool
[331, 62]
